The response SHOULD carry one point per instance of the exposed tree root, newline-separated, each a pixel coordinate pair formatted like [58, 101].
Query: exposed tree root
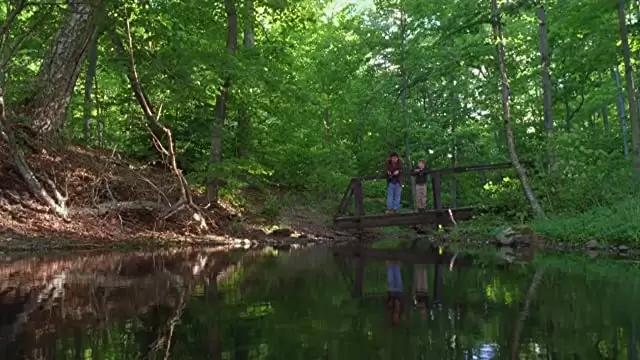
[37, 185]
[119, 206]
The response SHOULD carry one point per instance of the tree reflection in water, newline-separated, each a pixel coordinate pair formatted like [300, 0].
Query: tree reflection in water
[211, 304]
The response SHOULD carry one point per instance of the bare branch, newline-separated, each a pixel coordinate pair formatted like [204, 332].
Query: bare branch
[153, 124]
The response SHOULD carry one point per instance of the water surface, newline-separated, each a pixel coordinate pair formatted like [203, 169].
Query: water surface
[211, 304]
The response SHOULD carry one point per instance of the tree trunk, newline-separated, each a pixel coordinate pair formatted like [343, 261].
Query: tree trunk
[46, 108]
[54, 85]
[546, 87]
[405, 114]
[605, 118]
[215, 153]
[621, 112]
[631, 94]
[36, 185]
[638, 100]
[454, 151]
[249, 36]
[213, 339]
[220, 110]
[243, 132]
[100, 129]
[78, 342]
[88, 87]
[522, 175]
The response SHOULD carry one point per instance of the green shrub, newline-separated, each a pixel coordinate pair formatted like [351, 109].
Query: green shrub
[272, 206]
[611, 224]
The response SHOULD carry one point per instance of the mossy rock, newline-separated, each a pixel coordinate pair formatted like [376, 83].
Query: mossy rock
[517, 235]
[523, 230]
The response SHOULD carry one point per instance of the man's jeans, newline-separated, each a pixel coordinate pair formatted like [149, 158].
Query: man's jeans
[394, 278]
[394, 190]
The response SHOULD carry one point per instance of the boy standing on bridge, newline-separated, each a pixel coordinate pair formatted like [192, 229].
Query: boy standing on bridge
[393, 172]
[421, 185]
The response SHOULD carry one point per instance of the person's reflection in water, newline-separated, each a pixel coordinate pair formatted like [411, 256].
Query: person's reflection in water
[394, 296]
[421, 290]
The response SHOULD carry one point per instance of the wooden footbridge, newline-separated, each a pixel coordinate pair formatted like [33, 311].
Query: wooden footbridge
[438, 215]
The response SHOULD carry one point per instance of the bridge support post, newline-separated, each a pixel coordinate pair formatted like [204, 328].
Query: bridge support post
[358, 283]
[437, 280]
[437, 200]
[435, 186]
[356, 185]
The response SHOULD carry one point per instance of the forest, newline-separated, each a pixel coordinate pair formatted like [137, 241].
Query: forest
[147, 114]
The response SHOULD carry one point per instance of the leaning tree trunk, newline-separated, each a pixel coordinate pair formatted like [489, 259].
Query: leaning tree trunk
[157, 135]
[628, 72]
[522, 317]
[46, 110]
[220, 110]
[522, 175]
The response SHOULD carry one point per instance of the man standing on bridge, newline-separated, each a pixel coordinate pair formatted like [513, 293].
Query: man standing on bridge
[393, 168]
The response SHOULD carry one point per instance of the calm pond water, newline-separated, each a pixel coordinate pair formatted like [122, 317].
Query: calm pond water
[210, 304]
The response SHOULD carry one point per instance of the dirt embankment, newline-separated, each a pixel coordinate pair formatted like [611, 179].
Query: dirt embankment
[114, 201]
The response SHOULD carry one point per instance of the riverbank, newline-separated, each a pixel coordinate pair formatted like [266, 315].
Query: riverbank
[611, 225]
[119, 203]
[293, 227]
[610, 228]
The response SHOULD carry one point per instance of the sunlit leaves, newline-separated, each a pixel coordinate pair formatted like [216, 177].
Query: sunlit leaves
[323, 86]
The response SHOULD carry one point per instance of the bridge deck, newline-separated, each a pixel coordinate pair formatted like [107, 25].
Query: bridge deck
[440, 217]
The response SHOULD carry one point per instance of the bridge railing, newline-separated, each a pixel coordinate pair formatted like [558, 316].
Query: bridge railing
[355, 188]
